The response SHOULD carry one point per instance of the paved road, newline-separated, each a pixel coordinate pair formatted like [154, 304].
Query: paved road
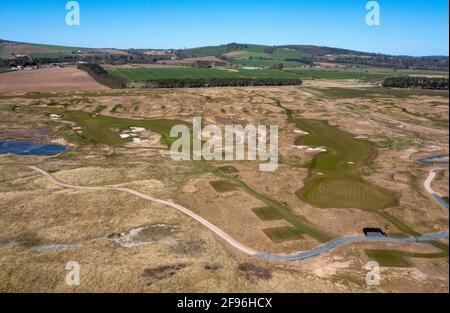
[347, 240]
[239, 246]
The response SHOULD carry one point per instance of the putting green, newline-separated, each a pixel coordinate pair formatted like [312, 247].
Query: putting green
[335, 180]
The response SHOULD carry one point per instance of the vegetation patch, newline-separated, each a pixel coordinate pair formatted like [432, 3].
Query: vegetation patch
[267, 214]
[387, 258]
[102, 76]
[99, 129]
[223, 186]
[392, 258]
[416, 82]
[282, 234]
[229, 169]
[255, 272]
[335, 180]
[161, 272]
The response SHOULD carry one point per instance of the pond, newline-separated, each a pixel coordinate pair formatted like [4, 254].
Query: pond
[30, 148]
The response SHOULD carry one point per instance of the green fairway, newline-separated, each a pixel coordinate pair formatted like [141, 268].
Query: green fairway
[99, 129]
[136, 75]
[335, 180]
[282, 234]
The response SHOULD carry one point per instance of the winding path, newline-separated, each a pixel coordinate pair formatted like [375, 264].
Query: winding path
[239, 246]
[436, 196]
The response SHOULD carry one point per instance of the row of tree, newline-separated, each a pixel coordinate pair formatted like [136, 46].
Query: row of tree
[103, 77]
[416, 82]
[215, 82]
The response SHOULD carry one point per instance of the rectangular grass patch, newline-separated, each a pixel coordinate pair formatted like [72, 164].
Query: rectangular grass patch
[223, 186]
[267, 214]
[387, 258]
[282, 234]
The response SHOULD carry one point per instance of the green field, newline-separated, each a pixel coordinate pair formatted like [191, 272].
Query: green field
[3, 70]
[283, 234]
[58, 48]
[98, 129]
[341, 74]
[335, 180]
[264, 63]
[205, 51]
[136, 75]
[258, 51]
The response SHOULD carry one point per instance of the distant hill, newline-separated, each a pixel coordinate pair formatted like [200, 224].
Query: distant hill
[307, 54]
[235, 54]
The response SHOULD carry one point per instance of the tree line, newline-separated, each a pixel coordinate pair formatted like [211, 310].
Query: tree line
[214, 82]
[416, 82]
[103, 77]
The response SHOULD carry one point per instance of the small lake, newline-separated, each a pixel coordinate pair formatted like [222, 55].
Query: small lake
[30, 148]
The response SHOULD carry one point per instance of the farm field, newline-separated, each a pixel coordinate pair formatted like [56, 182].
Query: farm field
[135, 75]
[48, 80]
[263, 63]
[28, 48]
[341, 74]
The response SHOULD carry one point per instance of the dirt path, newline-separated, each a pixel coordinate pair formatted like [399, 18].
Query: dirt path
[435, 195]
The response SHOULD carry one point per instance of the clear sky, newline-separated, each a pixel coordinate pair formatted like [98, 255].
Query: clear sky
[413, 27]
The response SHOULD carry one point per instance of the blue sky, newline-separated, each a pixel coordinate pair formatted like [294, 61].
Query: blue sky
[413, 27]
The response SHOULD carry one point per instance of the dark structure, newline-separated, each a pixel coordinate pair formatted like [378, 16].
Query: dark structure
[374, 232]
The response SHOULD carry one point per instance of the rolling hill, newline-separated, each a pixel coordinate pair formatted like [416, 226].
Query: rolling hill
[235, 54]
